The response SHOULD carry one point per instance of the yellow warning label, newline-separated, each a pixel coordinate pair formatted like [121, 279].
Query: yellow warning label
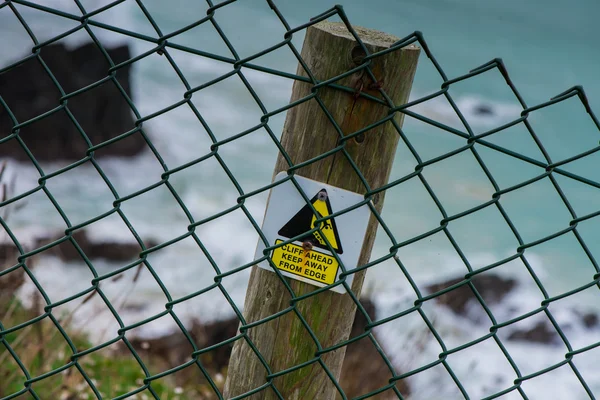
[327, 226]
[304, 220]
[312, 265]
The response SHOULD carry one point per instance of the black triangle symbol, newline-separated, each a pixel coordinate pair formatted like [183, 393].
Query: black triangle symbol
[301, 223]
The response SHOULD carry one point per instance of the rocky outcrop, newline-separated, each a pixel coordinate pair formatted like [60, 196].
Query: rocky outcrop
[589, 319]
[363, 371]
[102, 112]
[11, 281]
[492, 289]
[113, 251]
[107, 250]
[542, 332]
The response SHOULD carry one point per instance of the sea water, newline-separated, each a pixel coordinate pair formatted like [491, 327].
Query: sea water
[547, 46]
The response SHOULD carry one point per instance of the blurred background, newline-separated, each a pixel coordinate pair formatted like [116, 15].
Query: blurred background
[547, 46]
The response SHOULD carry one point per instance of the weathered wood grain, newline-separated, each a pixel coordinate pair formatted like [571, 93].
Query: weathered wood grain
[329, 50]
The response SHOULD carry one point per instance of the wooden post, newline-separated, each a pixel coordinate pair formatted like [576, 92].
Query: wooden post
[329, 50]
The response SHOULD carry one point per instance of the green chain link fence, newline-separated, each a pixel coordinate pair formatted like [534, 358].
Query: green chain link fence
[163, 44]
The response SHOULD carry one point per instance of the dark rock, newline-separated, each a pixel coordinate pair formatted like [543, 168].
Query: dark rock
[542, 332]
[111, 251]
[11, 281]
[483, 109]
[491, 287]
[590, 320]
[8, 255]
[102, 112]
[360, 321]
[363, 370]
[174, 349]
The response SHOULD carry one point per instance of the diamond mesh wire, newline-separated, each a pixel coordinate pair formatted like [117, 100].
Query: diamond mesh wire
[164, 43]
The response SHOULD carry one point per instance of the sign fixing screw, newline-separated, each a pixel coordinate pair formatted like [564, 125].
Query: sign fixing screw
[307, 246]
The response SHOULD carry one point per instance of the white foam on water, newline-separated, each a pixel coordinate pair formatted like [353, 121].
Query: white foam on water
[480, 112]
[483, 369]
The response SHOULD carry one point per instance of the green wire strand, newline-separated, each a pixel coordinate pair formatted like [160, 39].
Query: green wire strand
[163, 43]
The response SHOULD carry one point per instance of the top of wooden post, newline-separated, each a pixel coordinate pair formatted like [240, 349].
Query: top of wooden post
[368, 36]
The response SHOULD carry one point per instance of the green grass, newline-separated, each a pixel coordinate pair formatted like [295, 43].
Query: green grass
[41, 348]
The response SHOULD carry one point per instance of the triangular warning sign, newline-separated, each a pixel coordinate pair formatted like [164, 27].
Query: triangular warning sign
[304, 220]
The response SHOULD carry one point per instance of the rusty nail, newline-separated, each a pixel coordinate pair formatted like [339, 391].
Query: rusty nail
[307, 246]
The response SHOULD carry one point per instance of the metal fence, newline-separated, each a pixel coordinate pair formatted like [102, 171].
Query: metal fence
[164, 43]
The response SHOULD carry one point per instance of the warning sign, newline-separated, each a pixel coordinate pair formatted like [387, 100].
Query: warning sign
[310, 264]
[313, 256]
[305, 220]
